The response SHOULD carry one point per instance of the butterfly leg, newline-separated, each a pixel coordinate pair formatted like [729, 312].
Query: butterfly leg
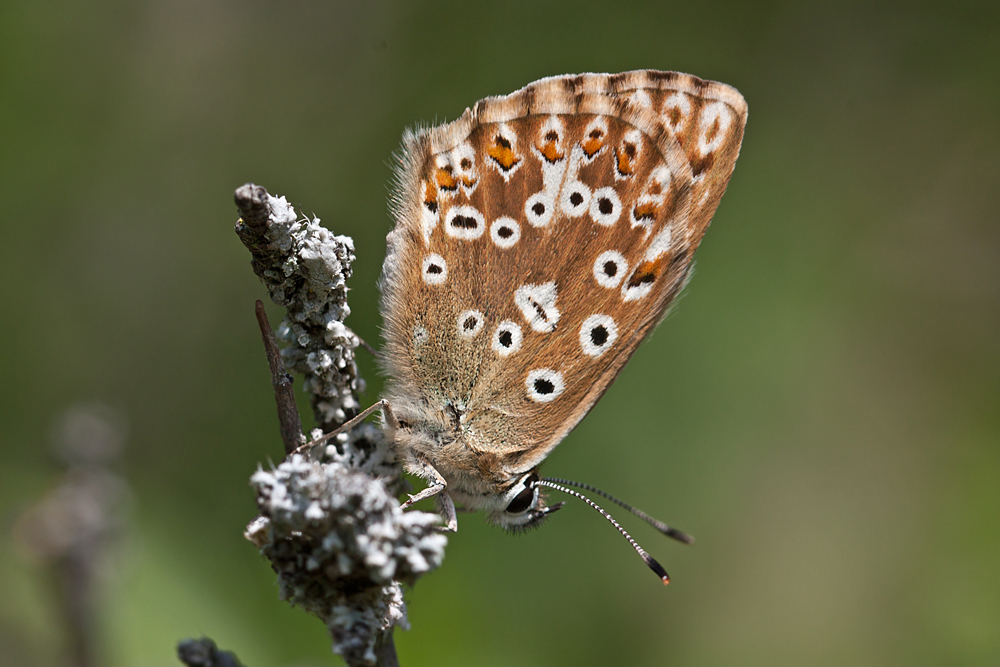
[436, 483]
[383, 405]
[447, 508]
[361, 341]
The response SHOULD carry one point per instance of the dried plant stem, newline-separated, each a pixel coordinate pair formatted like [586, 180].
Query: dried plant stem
[330, 522]
[385, 651]
[284, 393]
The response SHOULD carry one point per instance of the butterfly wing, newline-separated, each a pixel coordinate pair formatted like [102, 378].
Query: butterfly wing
[540, 237]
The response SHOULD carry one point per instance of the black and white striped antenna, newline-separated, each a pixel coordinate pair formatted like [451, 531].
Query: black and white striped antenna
[563, 484]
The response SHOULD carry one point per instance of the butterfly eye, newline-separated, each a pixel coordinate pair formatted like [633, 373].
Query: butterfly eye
[521, 502]
[526, 498]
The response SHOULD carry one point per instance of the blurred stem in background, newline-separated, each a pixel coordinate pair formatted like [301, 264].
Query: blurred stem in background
[74, 529]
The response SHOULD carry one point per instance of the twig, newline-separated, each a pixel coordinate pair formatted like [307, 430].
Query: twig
[385, 651]
[330, 522]
[284, 394]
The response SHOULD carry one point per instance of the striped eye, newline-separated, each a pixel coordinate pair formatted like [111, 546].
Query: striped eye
[523, 501]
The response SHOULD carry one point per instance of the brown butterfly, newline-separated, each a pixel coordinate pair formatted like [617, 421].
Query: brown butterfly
[539, 239]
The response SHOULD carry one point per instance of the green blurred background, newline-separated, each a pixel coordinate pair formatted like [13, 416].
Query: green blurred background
[822, 408]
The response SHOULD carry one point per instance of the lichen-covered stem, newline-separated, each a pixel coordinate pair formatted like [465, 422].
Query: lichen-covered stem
[305, 269]
[330, 522]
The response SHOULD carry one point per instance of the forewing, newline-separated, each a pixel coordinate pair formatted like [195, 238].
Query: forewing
[541, 236]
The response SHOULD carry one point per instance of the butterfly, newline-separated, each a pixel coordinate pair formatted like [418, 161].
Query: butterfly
[539, 238]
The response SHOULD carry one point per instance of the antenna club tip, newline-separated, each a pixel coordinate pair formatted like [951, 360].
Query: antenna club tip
[678, 535]
[656, 568]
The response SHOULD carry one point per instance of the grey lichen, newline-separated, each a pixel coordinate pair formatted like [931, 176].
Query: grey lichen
[330, 522]
[305, 268]
[340, 543]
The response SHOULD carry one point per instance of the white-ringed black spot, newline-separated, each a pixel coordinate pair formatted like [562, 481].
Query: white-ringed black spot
[470, 323]
[539, 208]
[505, 232]
[544, 385]
[434, 269]
[507, 338]
[605, 206]
[464, 222]
[597, 334]
[609, 268]
[574, 199]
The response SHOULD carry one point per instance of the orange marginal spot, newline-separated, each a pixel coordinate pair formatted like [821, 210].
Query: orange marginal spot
[593, 143]
[655, 187]
[646, 272]
[625, 157]
[674, 116]
[701, 165]
[430, 196]
[645, 211]
[551, 151]
[502, 153]
[445, 178]
[712, 131]
[468, 181]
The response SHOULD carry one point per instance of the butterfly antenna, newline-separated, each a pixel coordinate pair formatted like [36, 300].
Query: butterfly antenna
[646, 558]
[655, 523]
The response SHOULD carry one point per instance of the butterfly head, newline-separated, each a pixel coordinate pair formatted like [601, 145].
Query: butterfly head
[432, 440]
[523, 505]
